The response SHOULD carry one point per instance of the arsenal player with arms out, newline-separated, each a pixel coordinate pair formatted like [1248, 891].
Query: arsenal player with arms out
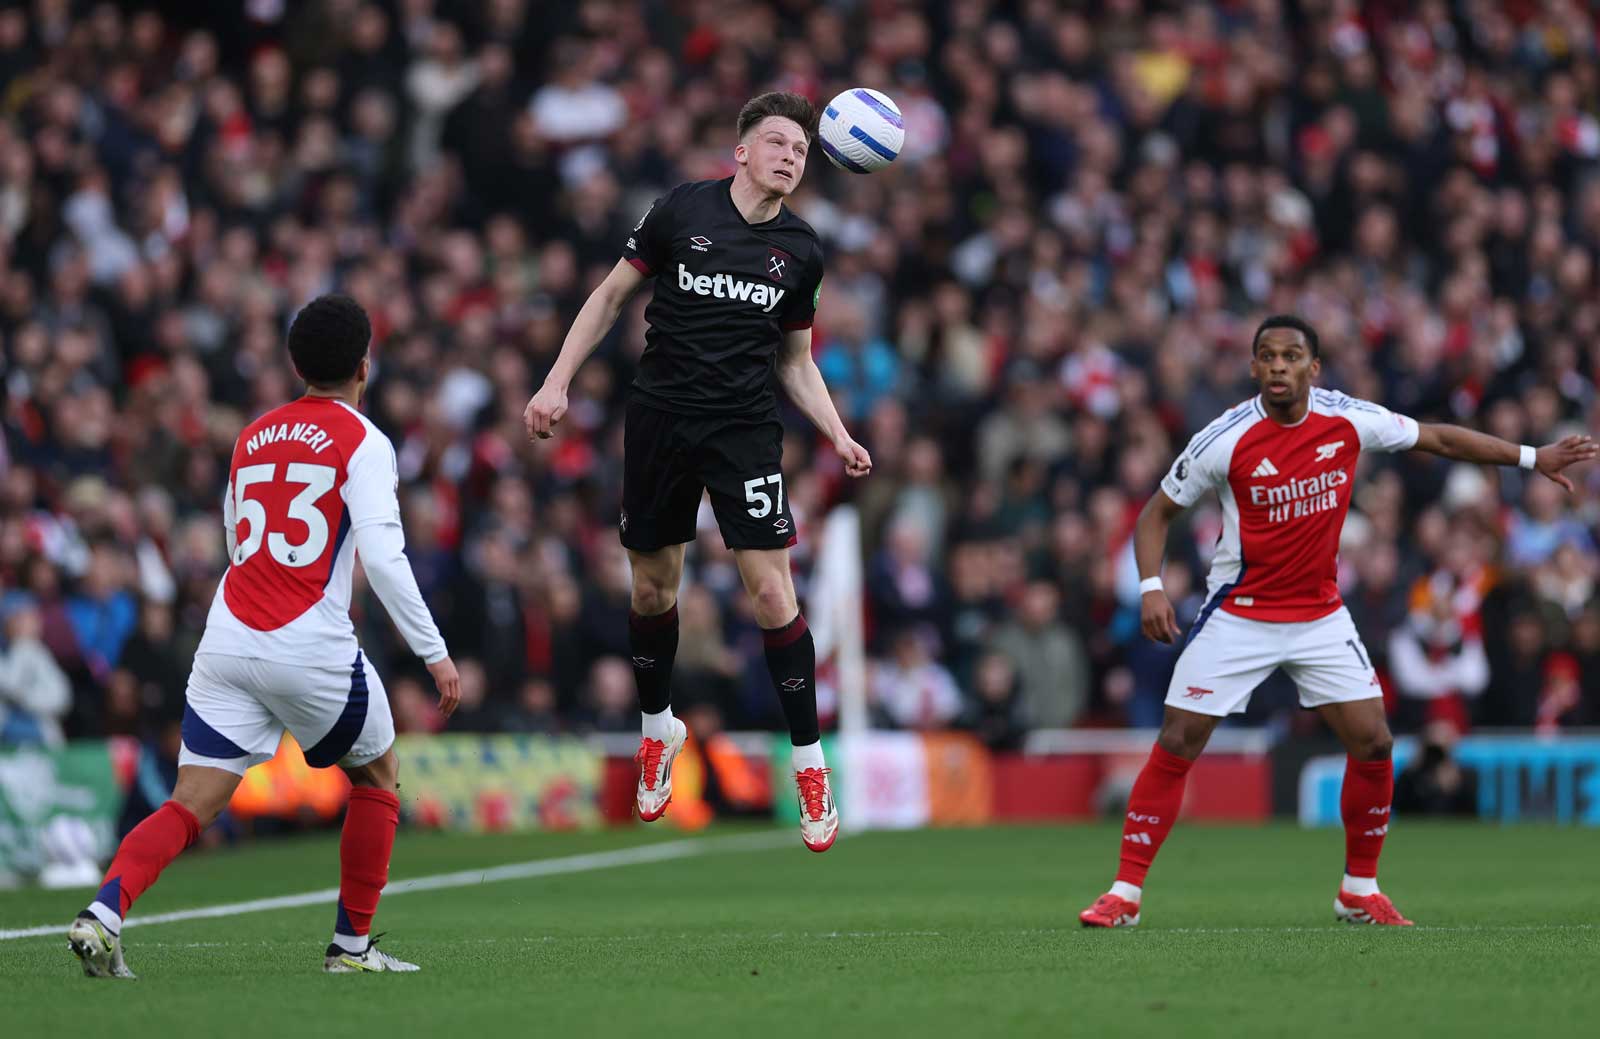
[737, 277]
[1282, 464]
[312, 484]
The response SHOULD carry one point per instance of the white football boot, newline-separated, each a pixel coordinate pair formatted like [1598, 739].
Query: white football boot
[97, 948]
[373, 961]
[819, 816]
[655, 758]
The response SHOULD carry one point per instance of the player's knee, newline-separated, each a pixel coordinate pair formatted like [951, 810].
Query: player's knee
[774, 602]
[1377, 746]
[1184, 737]
[205, 801]
[652, 597]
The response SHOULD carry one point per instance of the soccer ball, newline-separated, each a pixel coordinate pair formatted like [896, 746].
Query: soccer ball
[861, 130]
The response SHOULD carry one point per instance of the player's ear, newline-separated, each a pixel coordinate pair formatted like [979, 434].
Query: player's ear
[365, 369]
[741, 154]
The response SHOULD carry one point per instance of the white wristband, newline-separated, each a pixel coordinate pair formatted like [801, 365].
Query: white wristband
[1529, 456]
[1150, 584]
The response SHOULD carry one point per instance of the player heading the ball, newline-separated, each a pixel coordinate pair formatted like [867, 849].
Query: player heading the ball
[737, 280]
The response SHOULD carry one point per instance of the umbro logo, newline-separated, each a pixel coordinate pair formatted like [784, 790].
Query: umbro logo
[1264, 470]
[644, 663]
[699, 242]
[1138, 838]
[1325, 452]
[792, 684]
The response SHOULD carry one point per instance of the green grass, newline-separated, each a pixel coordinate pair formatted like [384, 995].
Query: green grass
[942, 932]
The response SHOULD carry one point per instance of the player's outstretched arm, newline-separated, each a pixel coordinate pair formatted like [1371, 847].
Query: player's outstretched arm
[1468, 445]
[802, 381]
[1156, 617]
[594, 320]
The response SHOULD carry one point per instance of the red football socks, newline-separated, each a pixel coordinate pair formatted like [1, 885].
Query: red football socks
[144, 853]
[1152, 809]
[1364, 806]
[364, 850]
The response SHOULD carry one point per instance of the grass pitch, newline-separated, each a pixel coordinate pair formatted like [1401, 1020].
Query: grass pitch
[952, 932]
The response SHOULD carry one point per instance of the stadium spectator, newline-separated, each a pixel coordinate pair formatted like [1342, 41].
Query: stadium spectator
[34, 694]
[1052, 667]
[912, 690]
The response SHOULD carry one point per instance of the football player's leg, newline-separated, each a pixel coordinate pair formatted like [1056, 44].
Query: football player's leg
[653, 632]
[1224, 661]
[367, 840]
[653, 645]
[225, 731]
[365, 847]
[1330, 665]
[1364, 806]
[660, 498]
[792, 662]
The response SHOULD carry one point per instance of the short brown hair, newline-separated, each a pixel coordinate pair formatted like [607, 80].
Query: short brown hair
[778, 103]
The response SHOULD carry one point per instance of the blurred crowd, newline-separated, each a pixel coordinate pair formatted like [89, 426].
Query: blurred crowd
[1024, 319]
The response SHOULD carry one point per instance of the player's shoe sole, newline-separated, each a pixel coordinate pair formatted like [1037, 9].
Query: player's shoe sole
[97, 949]
[652, 802]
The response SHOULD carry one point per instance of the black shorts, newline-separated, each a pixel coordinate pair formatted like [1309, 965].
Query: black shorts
[668, 459]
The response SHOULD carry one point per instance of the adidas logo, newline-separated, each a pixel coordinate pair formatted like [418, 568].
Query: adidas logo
[1265, 469]
[1137, 838]
[1379, 832]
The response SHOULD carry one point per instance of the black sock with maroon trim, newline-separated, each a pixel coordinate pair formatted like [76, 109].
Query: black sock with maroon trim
[653, 643]
[792, 662]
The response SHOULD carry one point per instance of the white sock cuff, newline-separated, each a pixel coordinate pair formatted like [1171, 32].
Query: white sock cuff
[1360, 885]
[355, 944]
[809, 756]
[658, 726]
[1132, 892]
[107, 916]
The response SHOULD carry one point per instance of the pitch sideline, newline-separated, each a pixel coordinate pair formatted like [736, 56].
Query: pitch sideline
[586, 863]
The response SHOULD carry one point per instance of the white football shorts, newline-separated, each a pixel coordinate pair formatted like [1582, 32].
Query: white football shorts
[236, 709]
[1227, 656]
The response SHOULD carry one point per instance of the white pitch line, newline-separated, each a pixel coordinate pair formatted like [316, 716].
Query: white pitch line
[586, 863]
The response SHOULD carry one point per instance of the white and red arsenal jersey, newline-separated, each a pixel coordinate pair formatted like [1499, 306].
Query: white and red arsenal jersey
[304, 476]
[1285, 491]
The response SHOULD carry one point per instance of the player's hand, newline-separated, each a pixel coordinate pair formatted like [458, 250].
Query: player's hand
[449, 683]
[1552, 458]
[547, 408]
[856, 460]
[1156, 617]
